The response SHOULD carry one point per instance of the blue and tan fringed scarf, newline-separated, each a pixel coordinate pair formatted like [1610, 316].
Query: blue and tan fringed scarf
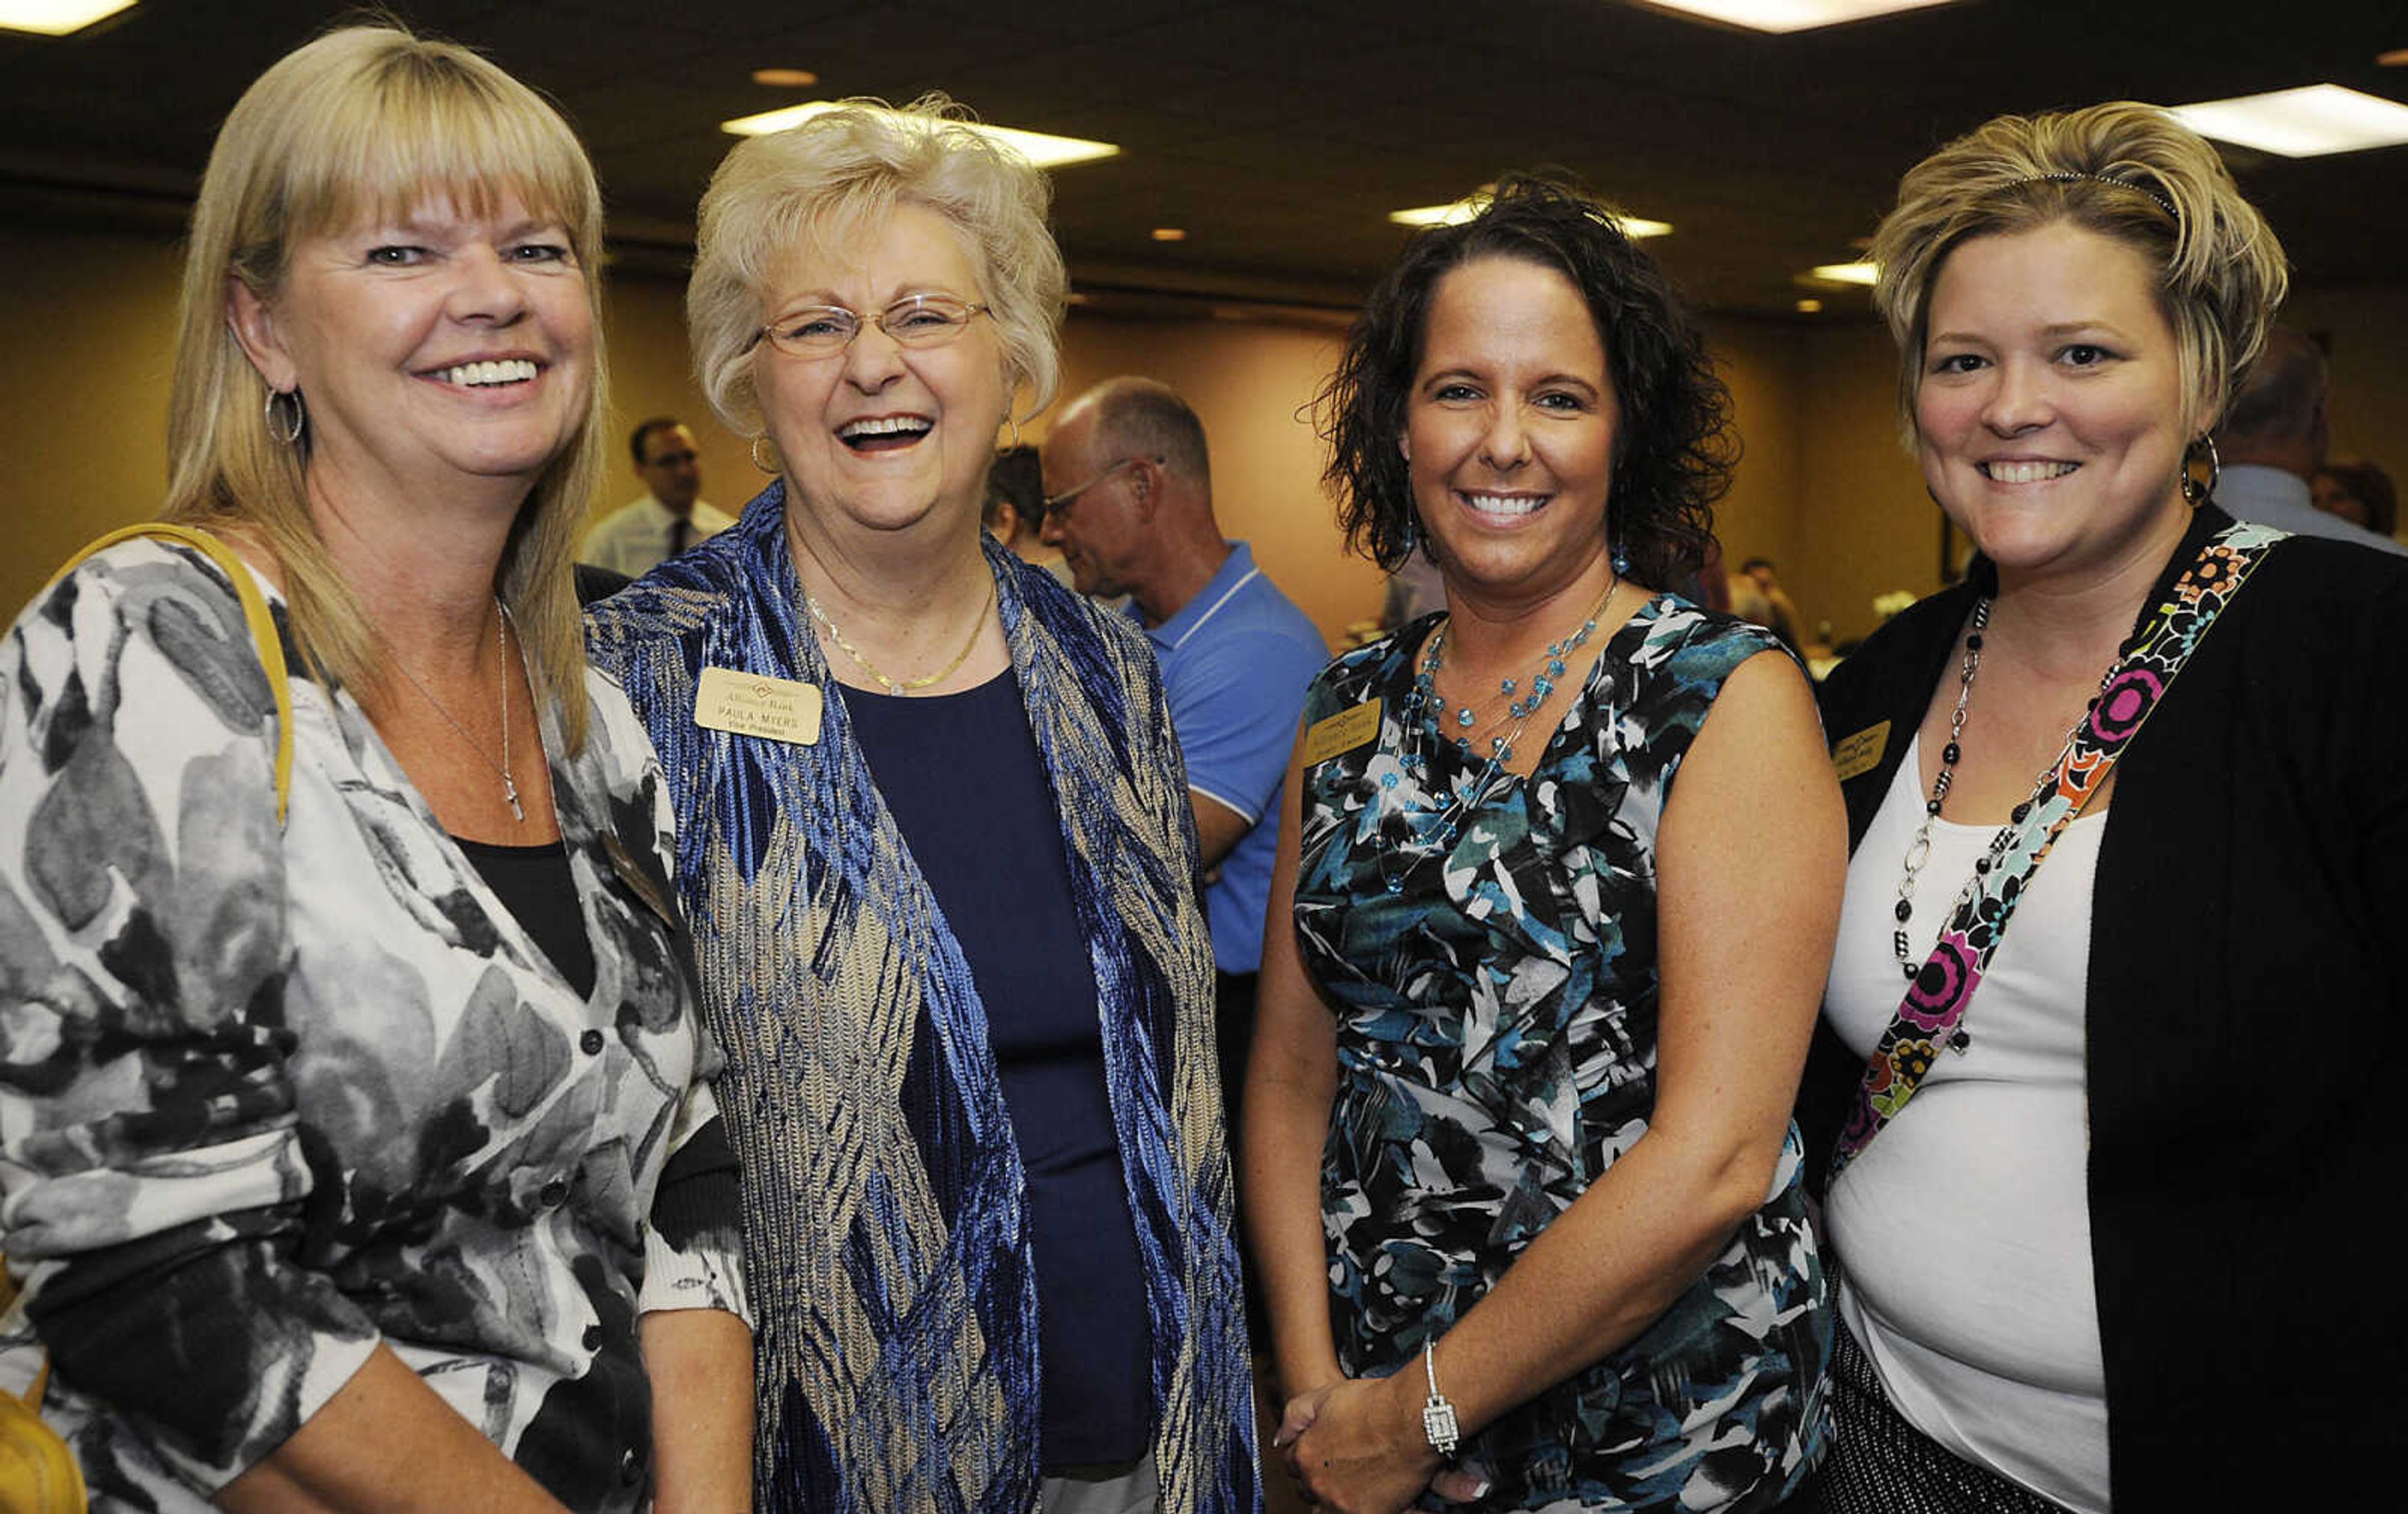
[885, 1223]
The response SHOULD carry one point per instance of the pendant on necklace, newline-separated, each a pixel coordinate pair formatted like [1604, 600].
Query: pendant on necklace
[510, 792]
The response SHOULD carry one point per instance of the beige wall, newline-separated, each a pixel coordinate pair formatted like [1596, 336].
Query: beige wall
[1865, 527]
[83, 393]
[1823, 487]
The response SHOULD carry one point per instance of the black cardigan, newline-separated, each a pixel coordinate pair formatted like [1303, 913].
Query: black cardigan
[2245, 1056]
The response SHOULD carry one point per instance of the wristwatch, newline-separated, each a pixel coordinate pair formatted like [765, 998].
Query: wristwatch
[1437, 1415]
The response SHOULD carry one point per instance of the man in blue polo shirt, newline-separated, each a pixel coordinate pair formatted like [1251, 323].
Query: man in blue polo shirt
[1129, 487]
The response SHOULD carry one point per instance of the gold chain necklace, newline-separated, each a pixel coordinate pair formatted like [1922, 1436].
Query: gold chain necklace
[904, 686]
[501, 636]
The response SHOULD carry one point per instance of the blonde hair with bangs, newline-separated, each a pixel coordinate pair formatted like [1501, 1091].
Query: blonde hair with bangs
[2221, 274]
[816, 187]
[368, 123]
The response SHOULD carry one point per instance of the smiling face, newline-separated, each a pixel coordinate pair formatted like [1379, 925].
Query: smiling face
[432, 349]
[881, 437]
[2049, 415]
[1510, 432]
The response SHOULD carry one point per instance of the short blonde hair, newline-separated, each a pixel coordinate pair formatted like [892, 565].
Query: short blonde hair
[816, 186]
[2127, 171]
[364, 123]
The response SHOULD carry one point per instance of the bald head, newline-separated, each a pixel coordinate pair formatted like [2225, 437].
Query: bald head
[1137, 417]
[2278, 417]
[1129, 485]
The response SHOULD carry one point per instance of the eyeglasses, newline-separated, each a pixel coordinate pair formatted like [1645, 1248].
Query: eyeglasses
[1057, 501]
[913, 321]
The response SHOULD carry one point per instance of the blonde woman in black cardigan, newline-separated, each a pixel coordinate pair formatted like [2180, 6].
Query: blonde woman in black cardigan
[2105, 1124]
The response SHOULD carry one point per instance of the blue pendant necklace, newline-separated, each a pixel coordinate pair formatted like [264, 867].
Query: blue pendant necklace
[1438, 828]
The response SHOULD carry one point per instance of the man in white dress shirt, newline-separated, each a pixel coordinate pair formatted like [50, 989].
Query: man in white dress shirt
[670, 517]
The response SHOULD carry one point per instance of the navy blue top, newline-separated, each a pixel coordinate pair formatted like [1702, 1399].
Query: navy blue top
[963, 778]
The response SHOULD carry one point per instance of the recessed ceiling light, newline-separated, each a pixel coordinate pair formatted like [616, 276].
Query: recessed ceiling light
[1790, 15]
[1036, 147]
[1171, 234]
[1464, 209]
[56, 18]
[1810, 306]
[2301, 124]
[785, 78]
[1844, 273]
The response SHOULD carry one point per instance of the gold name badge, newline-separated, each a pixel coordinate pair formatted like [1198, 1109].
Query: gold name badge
[1862, 751]
[756, 704]
[1342, 732]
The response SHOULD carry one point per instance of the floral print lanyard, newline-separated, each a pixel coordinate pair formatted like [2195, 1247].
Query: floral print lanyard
[1931, 1014]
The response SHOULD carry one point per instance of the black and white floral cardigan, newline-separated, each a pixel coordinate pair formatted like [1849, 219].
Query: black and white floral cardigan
[269, 1099]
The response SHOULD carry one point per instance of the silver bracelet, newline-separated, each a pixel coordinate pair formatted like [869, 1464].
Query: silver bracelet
[1437, 1415]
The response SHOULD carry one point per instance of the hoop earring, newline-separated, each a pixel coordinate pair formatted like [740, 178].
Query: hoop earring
[756, 455]
[2193, 492]
[1014, 422]
[277, 425]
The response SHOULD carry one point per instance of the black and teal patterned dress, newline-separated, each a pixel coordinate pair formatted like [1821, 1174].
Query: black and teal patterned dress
[1489, 943]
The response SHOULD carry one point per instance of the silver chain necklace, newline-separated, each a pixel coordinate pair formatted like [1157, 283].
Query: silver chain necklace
[502, 691]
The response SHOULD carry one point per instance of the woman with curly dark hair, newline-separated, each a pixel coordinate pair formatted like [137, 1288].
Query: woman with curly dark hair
[1520, 1172]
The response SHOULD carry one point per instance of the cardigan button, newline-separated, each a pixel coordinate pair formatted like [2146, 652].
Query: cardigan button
[591, 1042]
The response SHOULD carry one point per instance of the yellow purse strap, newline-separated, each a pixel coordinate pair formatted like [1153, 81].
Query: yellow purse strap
[254, 613]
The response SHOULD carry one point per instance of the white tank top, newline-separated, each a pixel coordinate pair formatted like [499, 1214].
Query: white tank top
[1964, 1228]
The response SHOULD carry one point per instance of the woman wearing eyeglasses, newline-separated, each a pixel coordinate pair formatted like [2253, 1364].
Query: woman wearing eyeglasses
[968, 1026]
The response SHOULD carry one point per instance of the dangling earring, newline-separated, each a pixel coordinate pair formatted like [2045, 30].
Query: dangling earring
[1621, 561]
[278, 425]
[1412, 533]
[765, 467]
[2193, 491]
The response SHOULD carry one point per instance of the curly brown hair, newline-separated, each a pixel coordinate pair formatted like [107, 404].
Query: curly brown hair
[1674, 448]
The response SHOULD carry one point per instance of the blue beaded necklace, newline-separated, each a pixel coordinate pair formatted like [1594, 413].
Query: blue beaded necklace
[1434, 828]
[1522, 705]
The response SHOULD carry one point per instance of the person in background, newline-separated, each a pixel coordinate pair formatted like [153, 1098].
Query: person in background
[1132, 507]
[1556, 883]
[1779, 612]
[1014, 512]
[361, 1153]
[2360, 493]
[2271, 443]
[669, 517]
[2094, 1187]
[969, 1023]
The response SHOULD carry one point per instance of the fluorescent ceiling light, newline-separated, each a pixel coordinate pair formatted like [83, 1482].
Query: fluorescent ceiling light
[1464, 209]
[1036, 147]
[1845, 273]
[2301, 124]
[1790, 15]
[56, 18]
